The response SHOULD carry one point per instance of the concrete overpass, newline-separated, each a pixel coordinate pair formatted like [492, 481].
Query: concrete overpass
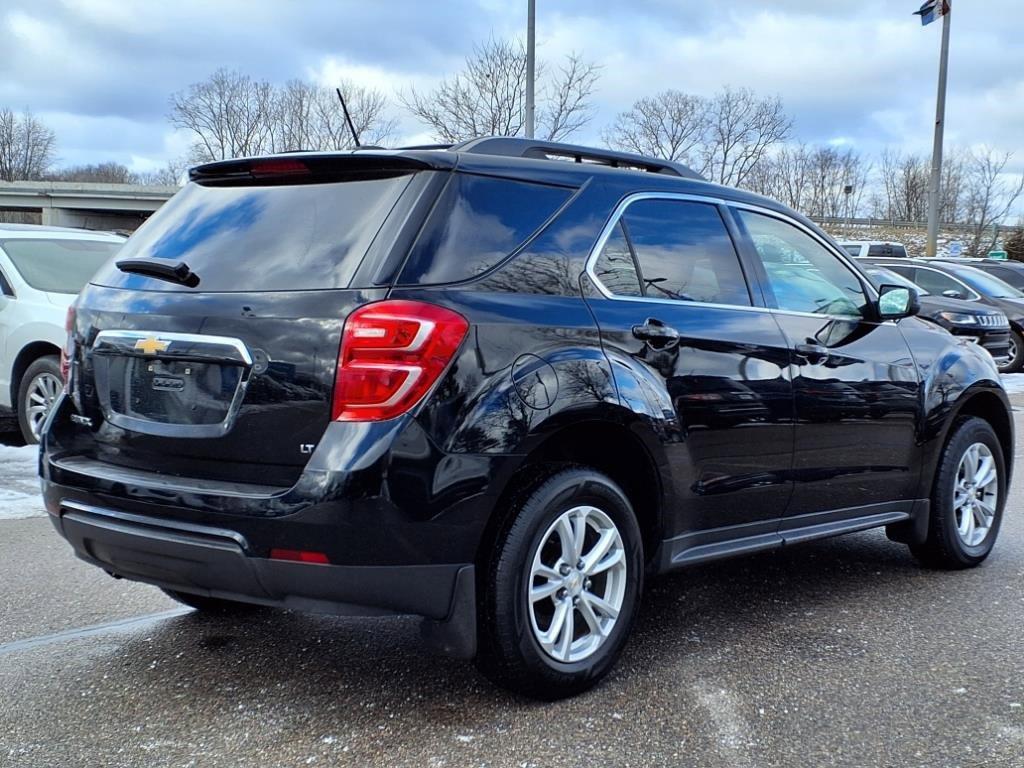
[88, 205]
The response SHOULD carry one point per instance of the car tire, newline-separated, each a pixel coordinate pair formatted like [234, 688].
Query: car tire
[1016, 359]
[520, 646]
[966, 506]
[211, 605]
[40, 386]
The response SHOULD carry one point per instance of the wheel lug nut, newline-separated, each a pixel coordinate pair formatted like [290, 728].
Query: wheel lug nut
[563, 593]
[564, 570]
[586, 584]
[575, 601]
[579, 566]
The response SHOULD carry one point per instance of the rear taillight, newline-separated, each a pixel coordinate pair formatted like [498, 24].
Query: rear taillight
[68, 349]
[392, 352]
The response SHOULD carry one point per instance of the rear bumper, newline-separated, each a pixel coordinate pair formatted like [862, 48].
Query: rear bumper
[216, 562]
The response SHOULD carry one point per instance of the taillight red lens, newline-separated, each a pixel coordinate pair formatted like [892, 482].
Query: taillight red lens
[392, 352]
[66, 350]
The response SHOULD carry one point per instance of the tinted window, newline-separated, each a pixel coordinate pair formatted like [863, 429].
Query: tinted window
[989, 285]
[887, 251]
[803, 274]
[477, 222]
[853, 250]
[58, 266]
[884, 276]
[939, 283]
[615, 267]
[1011, 276]
[263, 238]
[684, 252]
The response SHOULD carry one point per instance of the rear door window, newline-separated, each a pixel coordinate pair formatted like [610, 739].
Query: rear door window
[277, 237]
[684, 252]
[941, 284]
[477, 222]
[58, 265]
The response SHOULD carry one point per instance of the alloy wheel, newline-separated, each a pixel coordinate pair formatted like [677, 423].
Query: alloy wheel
[42, 393]
[976, 494]
[577, 584]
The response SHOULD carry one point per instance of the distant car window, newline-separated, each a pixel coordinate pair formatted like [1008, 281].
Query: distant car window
[1012, 276]
[853, 250]
[939, 283]
[883, 276]
[615, 267]
[685, 252]
[803, 274]
[887, 251]
[986, 284]
[476, 223]
[58, 265]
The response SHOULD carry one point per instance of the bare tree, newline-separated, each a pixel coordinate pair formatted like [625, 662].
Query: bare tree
[488, 97]
[724, 137]
[905, 179]
[168, 176]
[110, 172]
[27, 146]
[309, 116]
[232, 115]
[989, 196]
[671, 125]
[742, 128]
[813, 179]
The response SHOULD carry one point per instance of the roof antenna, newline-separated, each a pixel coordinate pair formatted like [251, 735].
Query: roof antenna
[352, 128]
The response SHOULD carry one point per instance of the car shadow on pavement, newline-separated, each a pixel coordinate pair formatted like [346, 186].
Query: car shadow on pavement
[369, 668]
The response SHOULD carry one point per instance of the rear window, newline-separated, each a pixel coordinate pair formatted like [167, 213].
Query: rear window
[58, 266]
[888, 251]
[476, 223]
[263, 238]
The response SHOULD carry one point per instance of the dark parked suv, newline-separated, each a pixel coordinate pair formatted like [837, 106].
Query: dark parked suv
[497, 389]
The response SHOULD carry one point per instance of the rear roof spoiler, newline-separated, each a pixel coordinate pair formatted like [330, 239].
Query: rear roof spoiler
[308, 166]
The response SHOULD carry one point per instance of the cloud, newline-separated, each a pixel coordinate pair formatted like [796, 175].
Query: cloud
[852, 74]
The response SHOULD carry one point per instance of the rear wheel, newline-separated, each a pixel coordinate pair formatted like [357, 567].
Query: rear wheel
[1015, 356]
[211, 604]
[39, 389]
[562, 588]
[967, 500]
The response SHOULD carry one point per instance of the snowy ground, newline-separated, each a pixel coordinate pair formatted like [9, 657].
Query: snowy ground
[19, 483]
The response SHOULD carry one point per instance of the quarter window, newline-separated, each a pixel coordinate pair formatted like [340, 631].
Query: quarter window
[803, 274]
[615, 267]
[681, 250]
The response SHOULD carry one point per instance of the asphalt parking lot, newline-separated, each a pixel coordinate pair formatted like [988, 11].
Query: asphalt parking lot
[840, 653]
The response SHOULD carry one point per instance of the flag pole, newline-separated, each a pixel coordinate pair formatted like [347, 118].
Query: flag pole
[935, 187]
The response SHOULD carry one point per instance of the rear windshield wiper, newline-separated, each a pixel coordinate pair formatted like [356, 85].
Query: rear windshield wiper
[163, 269]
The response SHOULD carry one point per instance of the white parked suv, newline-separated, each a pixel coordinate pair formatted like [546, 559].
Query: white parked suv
[42, 269]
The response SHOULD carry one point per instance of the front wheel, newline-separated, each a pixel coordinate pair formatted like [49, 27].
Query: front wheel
[1015, 355]
[40, 387]
[967, 499]
[562, 587]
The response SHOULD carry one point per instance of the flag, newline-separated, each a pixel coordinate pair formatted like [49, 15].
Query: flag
[931, 10]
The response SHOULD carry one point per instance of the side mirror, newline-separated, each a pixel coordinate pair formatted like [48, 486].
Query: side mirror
[951, 294]
[896, 301]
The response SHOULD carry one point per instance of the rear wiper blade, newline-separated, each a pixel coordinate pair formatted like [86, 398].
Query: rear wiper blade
[163, 269]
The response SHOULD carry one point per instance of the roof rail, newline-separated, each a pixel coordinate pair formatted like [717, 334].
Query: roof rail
[515, 146]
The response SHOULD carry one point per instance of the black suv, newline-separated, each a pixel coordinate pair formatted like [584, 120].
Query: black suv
[497, 385]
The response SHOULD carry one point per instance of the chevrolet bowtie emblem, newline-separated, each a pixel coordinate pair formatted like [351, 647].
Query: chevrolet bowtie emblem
[151, 345]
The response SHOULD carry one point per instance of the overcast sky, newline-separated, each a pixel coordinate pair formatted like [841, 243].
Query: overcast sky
[849, 72]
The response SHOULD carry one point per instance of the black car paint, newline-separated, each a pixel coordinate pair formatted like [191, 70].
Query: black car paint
[807, 448]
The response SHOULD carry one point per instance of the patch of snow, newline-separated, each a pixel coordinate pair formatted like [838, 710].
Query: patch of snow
[19, 483]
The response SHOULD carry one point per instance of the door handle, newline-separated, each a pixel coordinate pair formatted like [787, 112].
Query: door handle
[812, 353]
[655, 330]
